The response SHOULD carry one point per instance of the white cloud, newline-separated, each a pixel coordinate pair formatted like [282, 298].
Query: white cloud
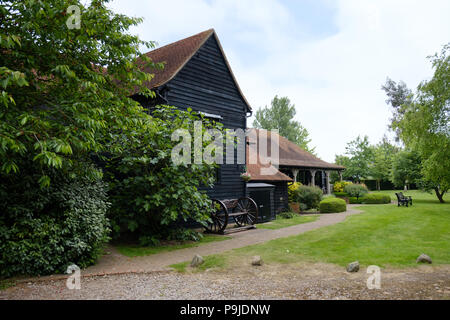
[335, 82]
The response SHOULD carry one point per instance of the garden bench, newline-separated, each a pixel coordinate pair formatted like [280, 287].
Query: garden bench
[409, 198]
[243, 211]
[403, 200]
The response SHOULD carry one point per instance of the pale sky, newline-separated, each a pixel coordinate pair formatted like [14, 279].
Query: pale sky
[329, 57]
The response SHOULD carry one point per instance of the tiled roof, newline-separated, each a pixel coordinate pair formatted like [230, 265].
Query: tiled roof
[177, 54]
[292, 155]
[256, 170]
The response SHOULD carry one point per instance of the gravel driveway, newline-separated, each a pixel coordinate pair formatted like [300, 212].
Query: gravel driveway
[312, 281]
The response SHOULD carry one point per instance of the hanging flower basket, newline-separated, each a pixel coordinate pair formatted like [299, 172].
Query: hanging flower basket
[246, 176]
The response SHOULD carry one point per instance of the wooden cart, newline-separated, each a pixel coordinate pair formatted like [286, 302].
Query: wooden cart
[243, 212]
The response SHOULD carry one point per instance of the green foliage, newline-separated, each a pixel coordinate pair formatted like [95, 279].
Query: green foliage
[356, 190]
[59, 105]
[151, 195]
[384, 153]
[287, 215]
[358, 159]
[355, 200]
[332, 205]
[423, 124]
[44, 231]
[399, 95]
[281, 116]
[376, 198]
[406, 168]
[340, 194]
[308, 197]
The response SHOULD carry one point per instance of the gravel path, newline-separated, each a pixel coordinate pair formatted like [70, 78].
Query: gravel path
[312, 281]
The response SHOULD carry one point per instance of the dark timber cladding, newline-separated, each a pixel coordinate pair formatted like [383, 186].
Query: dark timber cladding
[197, 75]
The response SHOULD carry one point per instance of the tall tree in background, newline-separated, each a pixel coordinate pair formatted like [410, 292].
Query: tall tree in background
[358, 159]
[384, 153]
[406, 169]
[399, 97]
[281, 116]
[423, 125]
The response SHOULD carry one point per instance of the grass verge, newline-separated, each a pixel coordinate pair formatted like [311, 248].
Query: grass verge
[283, 223]
[138, 251]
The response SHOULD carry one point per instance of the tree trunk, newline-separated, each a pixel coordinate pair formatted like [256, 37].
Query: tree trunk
[439, 195]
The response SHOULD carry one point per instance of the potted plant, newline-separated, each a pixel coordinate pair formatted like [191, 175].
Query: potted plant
[246, 176]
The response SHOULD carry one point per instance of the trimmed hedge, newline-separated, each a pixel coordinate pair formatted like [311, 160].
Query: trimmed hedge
[355, 200]
[340, 194]
[376, 198]
[332, 205]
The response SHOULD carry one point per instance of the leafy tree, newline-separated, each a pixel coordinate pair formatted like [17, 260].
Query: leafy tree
[58, 103]
[358, 159]
[342, 161]
[399, 96]
[280, 116]
[424, 125]
[64, 102]
[406, 169]
[151, 196]
[384, 152]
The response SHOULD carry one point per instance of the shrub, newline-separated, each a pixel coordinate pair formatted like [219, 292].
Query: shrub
[340, 194]
[42, 231]
[340, 185]
[287, 215]
[354, 200]
[376, 198]
[332, 205]
[356, 190]
[308, 197]
[292, 188]
[150, 195]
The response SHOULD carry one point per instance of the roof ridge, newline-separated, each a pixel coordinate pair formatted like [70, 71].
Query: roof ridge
[177, 54]
[211, 31]
[301, 150]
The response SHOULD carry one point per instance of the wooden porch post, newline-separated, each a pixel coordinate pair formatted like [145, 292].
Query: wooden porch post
[295, 173]
[313, 177]
[328, 182]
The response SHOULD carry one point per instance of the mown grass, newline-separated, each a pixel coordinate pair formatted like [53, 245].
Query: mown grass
[211, 262]
[383, 235]
[139, 251]
[283, 223]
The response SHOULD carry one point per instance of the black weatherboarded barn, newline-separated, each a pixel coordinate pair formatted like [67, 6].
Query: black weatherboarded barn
[198, 75]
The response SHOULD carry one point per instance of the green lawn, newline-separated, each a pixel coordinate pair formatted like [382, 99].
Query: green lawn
[383, 235]
[283, 223]
[137, 251]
